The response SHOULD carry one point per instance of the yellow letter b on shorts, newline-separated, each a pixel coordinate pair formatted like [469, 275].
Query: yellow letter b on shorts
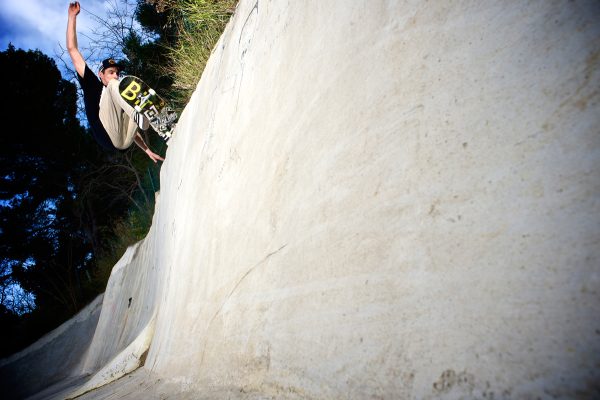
[131, 91]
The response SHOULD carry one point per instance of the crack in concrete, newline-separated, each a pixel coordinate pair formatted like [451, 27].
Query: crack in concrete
[242, 63]
[265, 259]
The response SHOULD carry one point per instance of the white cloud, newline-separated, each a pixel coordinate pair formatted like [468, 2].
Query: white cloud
[42, 24]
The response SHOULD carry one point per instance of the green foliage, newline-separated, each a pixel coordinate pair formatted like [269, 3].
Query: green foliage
[45, 252]
[127, 231]
[199, 24]
[67, 208]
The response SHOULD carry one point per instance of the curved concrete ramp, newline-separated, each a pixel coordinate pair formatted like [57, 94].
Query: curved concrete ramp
[376, 199]
[55, 359]
[127, 361]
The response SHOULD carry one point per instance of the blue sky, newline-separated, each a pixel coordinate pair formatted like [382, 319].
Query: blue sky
[42, 24]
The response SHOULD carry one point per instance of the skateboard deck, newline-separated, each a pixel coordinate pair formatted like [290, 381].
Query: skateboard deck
[146, 101]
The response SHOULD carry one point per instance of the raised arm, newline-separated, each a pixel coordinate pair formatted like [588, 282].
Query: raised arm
[76, 56]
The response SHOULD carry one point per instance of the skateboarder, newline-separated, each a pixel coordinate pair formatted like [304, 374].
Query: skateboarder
[113, 122]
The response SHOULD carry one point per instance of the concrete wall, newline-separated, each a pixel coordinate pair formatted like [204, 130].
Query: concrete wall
[388, 199]
[377, 199]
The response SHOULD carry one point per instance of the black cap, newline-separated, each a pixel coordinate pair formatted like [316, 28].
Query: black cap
[109, 62]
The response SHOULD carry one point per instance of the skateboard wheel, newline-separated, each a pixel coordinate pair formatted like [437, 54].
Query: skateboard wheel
[152, 92]
[138, 108]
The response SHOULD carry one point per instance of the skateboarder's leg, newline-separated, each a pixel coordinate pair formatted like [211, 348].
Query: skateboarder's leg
[118, 118]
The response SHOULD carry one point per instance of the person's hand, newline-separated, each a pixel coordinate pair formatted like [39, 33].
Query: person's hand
[74, 9]
[153, 156]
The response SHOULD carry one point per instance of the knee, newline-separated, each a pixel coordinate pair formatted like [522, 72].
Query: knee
[113, 86]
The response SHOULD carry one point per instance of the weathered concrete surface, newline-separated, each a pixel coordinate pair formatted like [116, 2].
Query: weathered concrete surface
[375, 199]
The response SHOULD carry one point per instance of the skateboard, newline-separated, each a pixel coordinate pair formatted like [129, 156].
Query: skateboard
[146, 101]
